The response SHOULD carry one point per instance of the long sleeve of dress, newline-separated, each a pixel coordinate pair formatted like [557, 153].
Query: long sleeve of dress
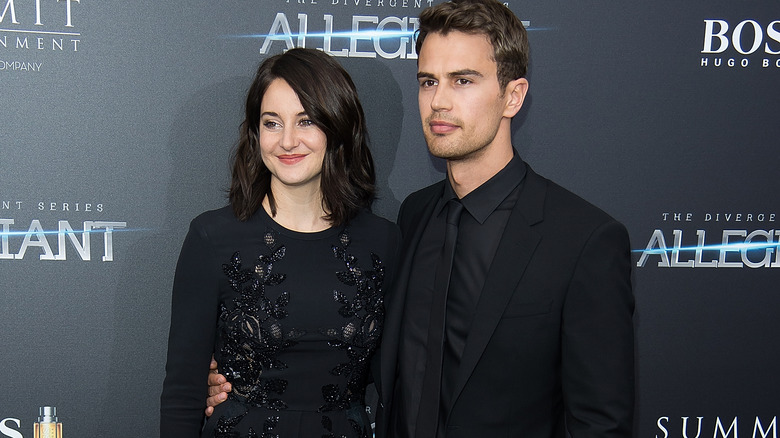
[194, 311]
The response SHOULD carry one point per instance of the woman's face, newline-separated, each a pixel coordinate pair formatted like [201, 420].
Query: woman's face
[292, 146]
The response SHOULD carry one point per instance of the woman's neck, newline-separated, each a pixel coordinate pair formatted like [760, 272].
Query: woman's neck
[298, 209]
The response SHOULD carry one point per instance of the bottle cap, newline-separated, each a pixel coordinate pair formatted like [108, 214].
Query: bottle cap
[47, 414]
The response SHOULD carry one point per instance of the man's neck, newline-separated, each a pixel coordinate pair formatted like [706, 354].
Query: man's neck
[465, 175]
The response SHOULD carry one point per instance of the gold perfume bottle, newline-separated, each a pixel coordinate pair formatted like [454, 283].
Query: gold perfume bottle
[47, 425]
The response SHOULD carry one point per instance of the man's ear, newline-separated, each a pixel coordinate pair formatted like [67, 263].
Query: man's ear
[515, 92]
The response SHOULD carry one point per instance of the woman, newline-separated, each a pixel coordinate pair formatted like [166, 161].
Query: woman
[284, 287]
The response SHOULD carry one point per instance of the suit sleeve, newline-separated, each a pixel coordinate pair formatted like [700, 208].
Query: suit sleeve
[597, 357]
[194, 310]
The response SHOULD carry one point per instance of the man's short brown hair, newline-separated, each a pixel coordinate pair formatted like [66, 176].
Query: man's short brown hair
[482, 17]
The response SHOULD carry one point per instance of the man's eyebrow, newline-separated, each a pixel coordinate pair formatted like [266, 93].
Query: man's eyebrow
[464, 72]
[452, 74]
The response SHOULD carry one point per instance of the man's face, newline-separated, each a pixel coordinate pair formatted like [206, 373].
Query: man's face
[461, 102]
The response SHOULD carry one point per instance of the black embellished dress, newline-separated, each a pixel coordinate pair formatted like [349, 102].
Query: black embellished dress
[292, 319]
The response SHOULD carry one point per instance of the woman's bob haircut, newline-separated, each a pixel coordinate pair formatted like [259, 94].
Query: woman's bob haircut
[330, 100]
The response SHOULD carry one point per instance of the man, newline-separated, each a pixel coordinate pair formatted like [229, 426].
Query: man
[529, 332]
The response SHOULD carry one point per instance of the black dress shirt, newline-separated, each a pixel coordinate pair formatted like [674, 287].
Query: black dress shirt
[482, 223]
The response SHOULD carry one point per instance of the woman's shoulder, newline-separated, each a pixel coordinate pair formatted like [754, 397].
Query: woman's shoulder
[376, 232]
[218, 223]
[369, 221]
[217, 217]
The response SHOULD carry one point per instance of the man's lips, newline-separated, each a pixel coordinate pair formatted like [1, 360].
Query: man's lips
[442, 127]
[291, 158]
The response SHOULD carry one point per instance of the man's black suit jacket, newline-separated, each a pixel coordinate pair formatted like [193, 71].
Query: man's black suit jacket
[551, 347]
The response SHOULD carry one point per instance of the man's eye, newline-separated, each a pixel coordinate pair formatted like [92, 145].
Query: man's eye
[427, 83]
[462, 81]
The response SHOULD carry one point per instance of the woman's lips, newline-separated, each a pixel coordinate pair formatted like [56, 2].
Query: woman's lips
[291, 159]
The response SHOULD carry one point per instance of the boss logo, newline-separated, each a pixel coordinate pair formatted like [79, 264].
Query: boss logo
[747, 37]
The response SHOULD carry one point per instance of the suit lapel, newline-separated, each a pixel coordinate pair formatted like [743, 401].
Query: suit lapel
[518, 243]
[415, 218]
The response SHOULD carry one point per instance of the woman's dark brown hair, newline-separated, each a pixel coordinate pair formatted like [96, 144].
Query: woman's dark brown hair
[330, 99]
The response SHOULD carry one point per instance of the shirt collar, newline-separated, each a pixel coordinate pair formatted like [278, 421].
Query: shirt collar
[485, 199]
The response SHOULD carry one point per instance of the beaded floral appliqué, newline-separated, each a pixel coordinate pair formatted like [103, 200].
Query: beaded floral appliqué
[253, 333]
[359, 336]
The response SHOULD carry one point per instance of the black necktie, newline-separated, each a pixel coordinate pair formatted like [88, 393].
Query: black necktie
[428, 416]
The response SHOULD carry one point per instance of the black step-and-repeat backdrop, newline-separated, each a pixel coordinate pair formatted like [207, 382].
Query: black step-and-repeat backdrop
[117, 120]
